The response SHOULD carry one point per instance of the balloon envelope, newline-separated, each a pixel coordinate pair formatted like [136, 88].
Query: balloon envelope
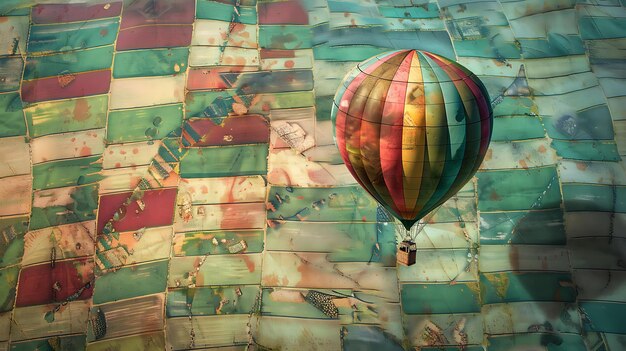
[413, 128]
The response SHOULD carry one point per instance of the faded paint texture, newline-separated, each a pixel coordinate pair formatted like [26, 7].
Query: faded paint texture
[169, 180]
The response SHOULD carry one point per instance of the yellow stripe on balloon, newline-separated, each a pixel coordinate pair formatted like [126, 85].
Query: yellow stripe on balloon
[436, 140]
[413, 136]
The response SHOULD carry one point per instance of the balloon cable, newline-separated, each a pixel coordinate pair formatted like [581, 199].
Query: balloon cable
[411, 234]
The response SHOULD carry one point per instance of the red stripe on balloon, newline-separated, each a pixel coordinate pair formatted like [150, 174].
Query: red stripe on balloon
[371, 125]
[340, 121]
[391, 134]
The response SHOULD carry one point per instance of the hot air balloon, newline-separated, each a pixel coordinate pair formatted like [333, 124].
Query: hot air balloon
[412, 127]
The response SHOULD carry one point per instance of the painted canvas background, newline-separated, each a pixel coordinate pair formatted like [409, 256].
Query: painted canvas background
[168, 179]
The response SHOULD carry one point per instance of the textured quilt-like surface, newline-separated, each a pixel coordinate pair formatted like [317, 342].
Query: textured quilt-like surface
[169, 181]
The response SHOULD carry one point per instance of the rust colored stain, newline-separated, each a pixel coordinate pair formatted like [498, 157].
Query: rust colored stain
[582, 166]
[494, 196]
[238, 27]
[241, 215]
[498, 62]
[230, 196]
[239, 109]
[319, 176]
[489, 155]
[314, 275]
[104, 32]
[249, 263]
[240, 61]
[514, 257]
[523, 164]
[542, 149]
[81, 110]
[277, 53]
[200, 279]
[270, 280]
[199, 79]
[289, 64]
[278, 175]
[308, 277]
[135, 151]
[85, 151]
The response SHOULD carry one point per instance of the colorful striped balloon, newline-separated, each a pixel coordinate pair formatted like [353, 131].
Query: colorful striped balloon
[413, 128]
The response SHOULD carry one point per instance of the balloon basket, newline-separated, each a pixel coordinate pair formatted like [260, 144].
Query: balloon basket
[407, 253]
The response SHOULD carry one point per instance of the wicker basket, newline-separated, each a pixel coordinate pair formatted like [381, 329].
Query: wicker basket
[407, 253]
